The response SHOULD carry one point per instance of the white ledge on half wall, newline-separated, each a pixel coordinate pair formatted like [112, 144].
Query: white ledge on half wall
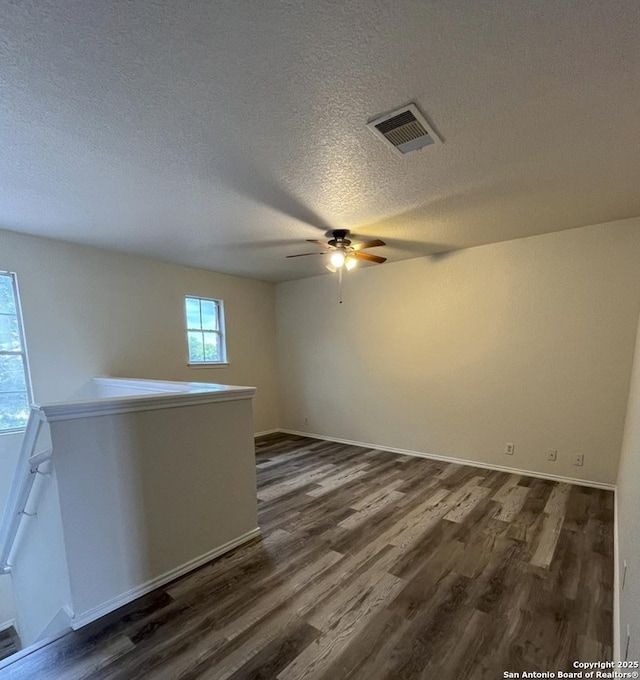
[108, 396]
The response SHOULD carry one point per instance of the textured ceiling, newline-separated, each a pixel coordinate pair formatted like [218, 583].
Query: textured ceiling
[223, 134]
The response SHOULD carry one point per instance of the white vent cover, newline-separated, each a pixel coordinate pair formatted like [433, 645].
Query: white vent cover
[405, 129]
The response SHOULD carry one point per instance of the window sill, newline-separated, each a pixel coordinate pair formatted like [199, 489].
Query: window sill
[17, 430]
[218, 364]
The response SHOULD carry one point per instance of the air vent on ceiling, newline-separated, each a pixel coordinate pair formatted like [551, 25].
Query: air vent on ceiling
[405, 129]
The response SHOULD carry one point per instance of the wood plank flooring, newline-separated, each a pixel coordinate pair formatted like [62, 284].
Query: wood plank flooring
[372, 566]
[9, 642]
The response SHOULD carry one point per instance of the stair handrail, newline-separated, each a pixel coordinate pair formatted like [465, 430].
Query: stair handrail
[23, 478]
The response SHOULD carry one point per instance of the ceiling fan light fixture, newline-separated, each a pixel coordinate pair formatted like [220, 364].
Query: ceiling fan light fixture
[331, 268]
[337, 259]
[350, 263]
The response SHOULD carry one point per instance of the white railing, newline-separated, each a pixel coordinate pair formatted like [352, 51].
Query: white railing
[21, 485]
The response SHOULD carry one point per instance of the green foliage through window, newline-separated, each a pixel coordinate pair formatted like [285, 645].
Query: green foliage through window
[205, 332]
[14, 383]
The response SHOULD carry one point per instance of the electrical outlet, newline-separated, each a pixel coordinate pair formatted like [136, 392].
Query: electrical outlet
[552, 454]
[579, 459]
[509, 448]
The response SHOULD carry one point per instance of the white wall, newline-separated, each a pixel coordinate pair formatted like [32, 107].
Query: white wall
[7, 602]
[528, 341]
[9, 450]
[41, 581]
[96, 312]
[628, 500]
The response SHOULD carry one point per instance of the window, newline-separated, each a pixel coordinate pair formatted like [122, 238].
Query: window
[15, 390]
[205, 331]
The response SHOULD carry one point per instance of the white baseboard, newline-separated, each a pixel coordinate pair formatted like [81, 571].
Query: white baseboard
[460, 461]
[617, 651]
[59, 624]
[92, 614]
[262, 434]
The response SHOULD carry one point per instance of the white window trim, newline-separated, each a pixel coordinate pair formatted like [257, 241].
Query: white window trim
[208, 364]
[222, 333]
[23, 352]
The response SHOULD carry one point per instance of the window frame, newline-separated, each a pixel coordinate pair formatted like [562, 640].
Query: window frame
[220, 332]
[22, 352]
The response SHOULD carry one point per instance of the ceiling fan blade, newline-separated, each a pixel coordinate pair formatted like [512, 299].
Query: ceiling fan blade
[304, 254]
[320, 243]
[369, 258]
[369, 244]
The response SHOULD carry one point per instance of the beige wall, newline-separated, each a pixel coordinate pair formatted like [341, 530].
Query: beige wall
[628, 499]
[168, 516]
[95, 312]
[527, 341]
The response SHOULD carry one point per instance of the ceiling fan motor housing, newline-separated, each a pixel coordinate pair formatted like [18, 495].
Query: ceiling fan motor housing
[340, 238]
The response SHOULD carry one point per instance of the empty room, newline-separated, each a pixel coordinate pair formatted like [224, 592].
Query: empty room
[319, 340]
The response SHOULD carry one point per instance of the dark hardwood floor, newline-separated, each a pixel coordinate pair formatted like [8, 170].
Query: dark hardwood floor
[9, 643]
[372, 566]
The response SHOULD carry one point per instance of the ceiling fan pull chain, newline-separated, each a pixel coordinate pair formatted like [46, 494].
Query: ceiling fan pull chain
[340, 285]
